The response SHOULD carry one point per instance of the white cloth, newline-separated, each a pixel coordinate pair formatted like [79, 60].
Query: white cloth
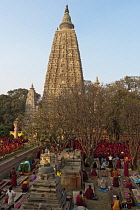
[110, 157]
[103, 165]
[11, 196]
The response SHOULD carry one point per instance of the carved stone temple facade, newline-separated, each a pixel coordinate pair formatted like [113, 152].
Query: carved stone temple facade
[64, 66]
[31, 105]
[64, 70]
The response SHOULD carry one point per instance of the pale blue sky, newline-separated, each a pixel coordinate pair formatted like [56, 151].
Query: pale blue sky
[108, 33]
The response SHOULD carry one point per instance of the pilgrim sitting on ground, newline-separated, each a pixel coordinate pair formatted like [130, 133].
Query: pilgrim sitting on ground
[25, 187]
[89, 194]
[80, 200]
[103, 184]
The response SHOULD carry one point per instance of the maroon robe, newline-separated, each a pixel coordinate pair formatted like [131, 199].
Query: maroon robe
[79, 201]
[93, 173]
[115, 182]
[118, 164]
[25, 187]
[14, 180]
[129, 185]
[126, 172]
[89, 193]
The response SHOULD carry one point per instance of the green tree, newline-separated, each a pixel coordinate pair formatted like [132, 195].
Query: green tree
[12, 106]
[4, 131]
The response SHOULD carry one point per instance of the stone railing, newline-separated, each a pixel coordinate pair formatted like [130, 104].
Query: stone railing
[8, 164]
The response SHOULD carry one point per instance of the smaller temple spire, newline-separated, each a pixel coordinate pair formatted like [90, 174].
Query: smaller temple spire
[97, 83]
[32, 87]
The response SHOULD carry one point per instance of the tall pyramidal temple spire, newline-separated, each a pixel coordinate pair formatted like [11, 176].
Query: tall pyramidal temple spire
[64, 67]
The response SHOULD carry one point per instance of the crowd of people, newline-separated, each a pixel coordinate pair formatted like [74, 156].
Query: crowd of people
[8, 145]
[117, 149]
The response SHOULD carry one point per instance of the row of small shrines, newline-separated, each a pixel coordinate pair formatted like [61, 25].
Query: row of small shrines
[47, 190]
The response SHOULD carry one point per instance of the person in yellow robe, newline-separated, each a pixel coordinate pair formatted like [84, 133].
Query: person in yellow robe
[116, 205]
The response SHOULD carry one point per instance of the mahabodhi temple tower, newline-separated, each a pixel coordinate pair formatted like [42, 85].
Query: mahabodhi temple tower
[64, 66]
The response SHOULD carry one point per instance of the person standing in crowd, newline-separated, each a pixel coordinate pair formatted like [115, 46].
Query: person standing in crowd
[38, 153]
[126, 172]
[13, 176]
[118, 162]
[115, 178]
[110, 165]
[11, 194]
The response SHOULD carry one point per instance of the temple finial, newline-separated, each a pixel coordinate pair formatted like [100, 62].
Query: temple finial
[32, 87]
[67, 9]
[66, 21]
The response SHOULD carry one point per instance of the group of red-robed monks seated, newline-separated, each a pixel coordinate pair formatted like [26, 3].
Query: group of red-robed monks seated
[105, 149]
[89, 194]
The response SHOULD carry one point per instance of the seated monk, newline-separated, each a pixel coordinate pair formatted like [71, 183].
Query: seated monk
[130, 201]
[79, 200]
[94, 173]
[128, 184]
[89, 193]
[25, 186]
[33, 177]
[103, 184]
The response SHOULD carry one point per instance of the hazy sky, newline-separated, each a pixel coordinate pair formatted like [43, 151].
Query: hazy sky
[108, 33]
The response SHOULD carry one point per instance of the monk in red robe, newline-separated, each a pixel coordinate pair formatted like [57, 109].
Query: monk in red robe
[126, 172]
[128, 185]
[79, 200]
[89, 193]
[118, 163]
[25, 186]
[13, 176]
[94, 173]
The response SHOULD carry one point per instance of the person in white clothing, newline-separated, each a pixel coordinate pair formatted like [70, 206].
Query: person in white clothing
[11, 194]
